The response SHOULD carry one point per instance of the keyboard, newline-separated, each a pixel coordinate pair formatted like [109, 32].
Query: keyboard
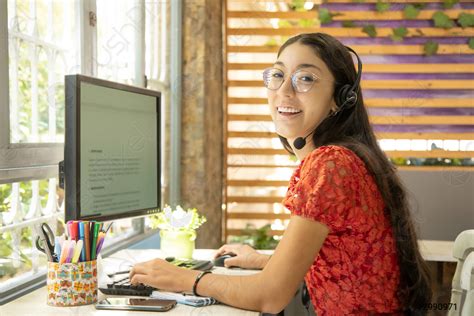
[122, 286]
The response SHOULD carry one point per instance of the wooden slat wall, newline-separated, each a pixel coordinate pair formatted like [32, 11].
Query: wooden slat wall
[408, 95]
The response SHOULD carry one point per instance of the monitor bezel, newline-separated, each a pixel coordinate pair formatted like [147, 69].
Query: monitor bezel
[72, 149]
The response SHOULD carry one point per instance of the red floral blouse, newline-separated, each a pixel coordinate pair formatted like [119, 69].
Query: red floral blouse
[356, 271]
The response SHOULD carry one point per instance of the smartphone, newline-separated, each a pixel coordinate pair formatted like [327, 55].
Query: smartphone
[136, 304]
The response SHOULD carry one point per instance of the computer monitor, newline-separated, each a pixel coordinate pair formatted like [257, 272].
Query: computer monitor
[112, 158]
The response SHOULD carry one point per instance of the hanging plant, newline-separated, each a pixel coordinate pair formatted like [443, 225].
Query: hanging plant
[325, 16]
[465, 20]
[370, 30]
[381, 6]
[441, 20]
[399, 33]
[471, 43]
[448, 4]
[430, 48]
[348, 24]
[411, 11]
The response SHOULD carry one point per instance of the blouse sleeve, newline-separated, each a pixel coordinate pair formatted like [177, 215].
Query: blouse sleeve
[326, 190]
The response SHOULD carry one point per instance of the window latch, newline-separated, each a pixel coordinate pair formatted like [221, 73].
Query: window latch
[92, 18]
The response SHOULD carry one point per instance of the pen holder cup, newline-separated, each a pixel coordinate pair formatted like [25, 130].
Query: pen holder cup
[72, 284]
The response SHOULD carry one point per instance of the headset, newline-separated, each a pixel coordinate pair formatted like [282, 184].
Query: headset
[346, 96]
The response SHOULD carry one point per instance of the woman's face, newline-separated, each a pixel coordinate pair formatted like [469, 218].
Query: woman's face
[296, 114]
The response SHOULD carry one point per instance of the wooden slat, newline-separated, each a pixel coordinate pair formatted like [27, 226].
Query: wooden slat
[455, 136]
[393, 15]
[257, 215]
[375, 1]
[257, 183]
[383, 84]
[436, 168]
[422, 120]
[260, 166]
[379, 68]
[273, 14]
[353, 32]
[342, 15]
[423, 168]
[419, 103]
[240, 232]
[394, 102]
[254, 199]
[392, 154]
[369, 49]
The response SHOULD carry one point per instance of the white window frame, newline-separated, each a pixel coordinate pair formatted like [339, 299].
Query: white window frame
[35, 161]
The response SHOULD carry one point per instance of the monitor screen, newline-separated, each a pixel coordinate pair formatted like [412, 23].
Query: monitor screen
[112, 150]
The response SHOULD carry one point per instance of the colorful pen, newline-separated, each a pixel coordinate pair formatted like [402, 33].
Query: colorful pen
[87, 242]
[77, 251]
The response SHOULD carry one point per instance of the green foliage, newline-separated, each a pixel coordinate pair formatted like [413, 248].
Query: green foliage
[272, 42]
[307, 22]
[348, 24]
[441, 20]
[325, 16]
[430, 48]
[297, 5]
[432, 161]
[466, 20]
[471, 43]
[410, 11]
[399, 33]
[258, 238]
[370, 30]
[448, 4]
[381, 6]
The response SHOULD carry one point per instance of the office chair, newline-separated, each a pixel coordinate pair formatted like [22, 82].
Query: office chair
[462, 293]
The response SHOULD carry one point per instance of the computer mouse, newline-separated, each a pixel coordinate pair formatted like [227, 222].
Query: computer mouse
[219, 261]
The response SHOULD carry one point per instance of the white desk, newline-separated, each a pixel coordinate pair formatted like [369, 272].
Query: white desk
[34, 303]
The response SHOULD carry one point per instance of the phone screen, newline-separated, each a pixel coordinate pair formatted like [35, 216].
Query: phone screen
[147, 304]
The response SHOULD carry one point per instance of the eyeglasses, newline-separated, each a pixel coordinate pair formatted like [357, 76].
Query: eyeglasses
[301, 80]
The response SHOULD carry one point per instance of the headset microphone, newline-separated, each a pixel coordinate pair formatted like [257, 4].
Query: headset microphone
[300, 142]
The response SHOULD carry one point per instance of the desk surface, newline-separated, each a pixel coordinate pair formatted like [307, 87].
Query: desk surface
[34, 303]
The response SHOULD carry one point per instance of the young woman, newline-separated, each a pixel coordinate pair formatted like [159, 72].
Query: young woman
[350, 235]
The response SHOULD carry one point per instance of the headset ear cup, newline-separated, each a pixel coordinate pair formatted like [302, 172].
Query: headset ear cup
[351, 99]
[342, 95]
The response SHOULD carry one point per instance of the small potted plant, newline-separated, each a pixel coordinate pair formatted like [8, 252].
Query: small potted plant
[177, 230]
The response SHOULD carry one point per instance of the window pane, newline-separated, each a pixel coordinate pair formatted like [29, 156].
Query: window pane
[116, 27]
[43, 47]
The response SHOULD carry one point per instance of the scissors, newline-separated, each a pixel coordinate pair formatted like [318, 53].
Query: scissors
[45, 242]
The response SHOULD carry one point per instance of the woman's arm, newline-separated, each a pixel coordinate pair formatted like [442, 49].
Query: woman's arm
[268, 291]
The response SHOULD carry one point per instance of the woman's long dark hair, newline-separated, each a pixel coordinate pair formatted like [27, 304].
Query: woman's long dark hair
[351, 128]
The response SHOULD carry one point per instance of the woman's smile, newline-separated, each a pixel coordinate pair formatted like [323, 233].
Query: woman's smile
[288, 112]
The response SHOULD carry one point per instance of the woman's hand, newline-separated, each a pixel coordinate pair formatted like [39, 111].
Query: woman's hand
[163, 275]
[246, 257]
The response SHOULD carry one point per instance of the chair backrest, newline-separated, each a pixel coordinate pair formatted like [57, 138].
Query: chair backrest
[467, 284]
[462, 292]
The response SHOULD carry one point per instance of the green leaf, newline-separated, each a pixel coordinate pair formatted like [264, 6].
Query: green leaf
[466, 20]
[471, 43]
[370, 30]
[348, 24]
[325, 16]
[430, 48]
[448, 4]
[410, 11]
[399, 33]
[382, 6]
[307, 22]
[442, 20]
